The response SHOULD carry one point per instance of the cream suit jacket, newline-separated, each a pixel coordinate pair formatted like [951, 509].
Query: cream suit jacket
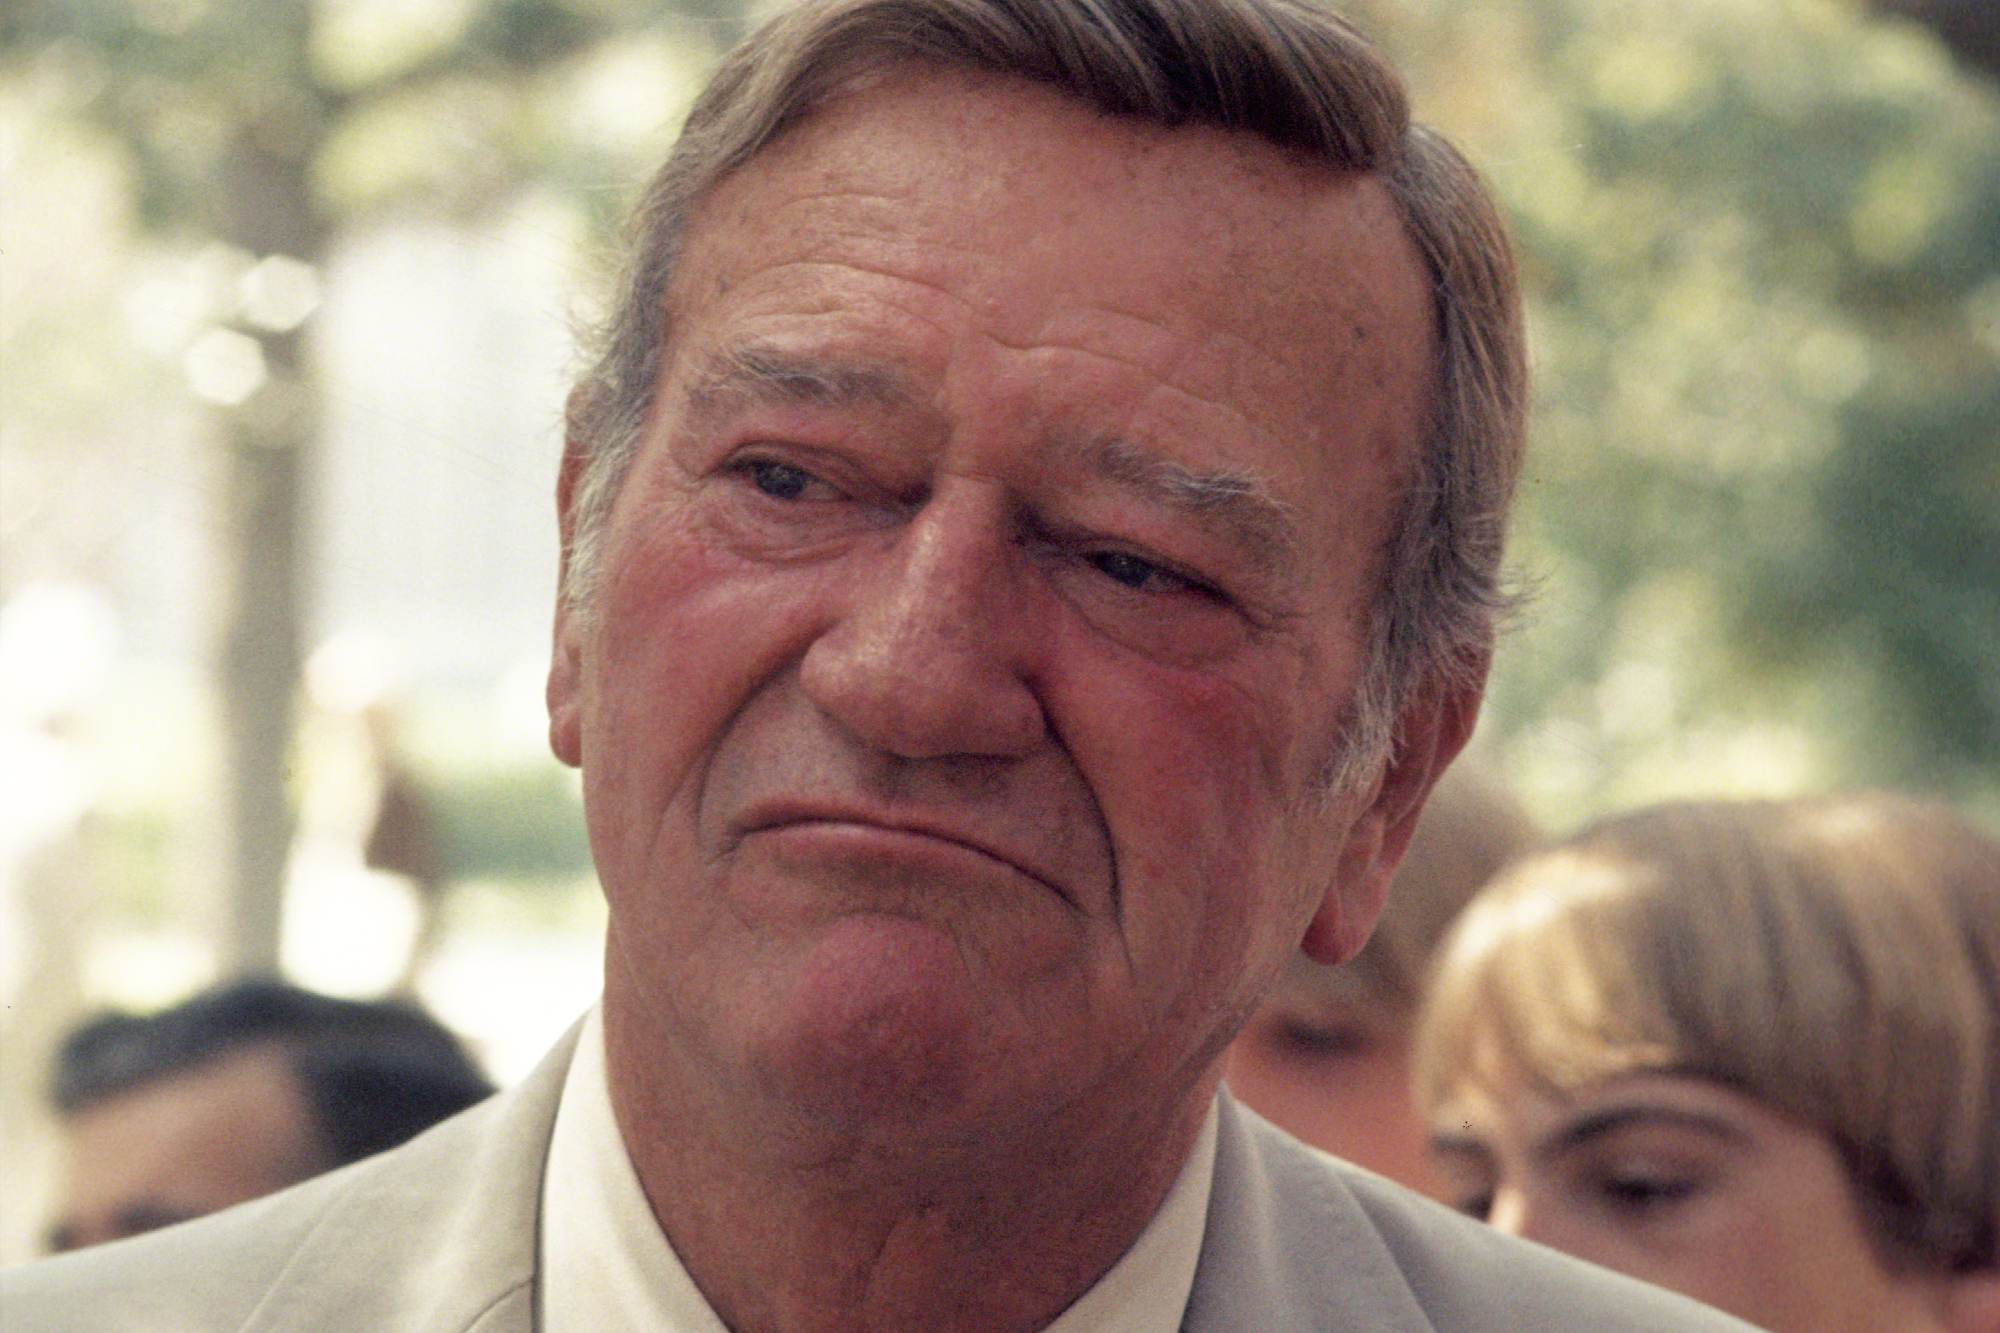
[439, 1236]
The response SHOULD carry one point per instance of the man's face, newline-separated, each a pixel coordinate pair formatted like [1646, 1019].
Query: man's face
[982, 602]
[183, 1146]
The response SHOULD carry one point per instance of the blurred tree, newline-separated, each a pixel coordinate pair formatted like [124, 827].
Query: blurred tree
[1762, 249]
[1971, 28]
[273, 129]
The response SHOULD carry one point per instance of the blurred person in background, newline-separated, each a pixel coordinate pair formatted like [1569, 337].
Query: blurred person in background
[236, 1093]
[1328, 1056]
[1747, 1050]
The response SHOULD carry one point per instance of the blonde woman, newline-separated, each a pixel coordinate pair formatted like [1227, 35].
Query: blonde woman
[1749, 1051]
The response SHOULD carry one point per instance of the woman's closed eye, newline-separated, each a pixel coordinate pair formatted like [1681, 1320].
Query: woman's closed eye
[1646, 1191]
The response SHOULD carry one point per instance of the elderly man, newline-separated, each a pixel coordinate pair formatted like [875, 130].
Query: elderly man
[1029, 538]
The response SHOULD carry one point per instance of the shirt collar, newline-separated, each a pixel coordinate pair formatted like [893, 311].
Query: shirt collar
[606, 1264]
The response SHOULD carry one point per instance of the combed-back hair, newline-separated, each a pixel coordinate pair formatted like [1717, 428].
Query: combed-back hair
[1286, 71]
[1836, 959]
[373, 1072]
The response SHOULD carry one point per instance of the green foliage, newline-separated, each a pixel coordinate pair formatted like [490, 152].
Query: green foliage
[248, 138]
[1761, 245]
[129, 856]
[449, 104]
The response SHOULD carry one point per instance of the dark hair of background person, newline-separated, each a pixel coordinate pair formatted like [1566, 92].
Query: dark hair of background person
[374, 1072]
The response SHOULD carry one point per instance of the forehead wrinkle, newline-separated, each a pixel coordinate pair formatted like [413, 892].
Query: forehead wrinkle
[1236, 501]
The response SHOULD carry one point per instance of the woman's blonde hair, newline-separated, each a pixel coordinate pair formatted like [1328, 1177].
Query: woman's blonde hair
[1836, 959]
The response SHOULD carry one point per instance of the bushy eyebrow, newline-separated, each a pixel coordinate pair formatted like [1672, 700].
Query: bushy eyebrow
[1446, 1142]
[758, 372]
[1237, 502]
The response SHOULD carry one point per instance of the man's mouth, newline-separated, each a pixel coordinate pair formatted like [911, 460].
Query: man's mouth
[895, 833]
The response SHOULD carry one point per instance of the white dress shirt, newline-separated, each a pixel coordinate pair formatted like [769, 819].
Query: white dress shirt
[606, 1266]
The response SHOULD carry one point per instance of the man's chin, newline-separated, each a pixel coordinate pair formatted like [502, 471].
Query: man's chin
[881, 1026]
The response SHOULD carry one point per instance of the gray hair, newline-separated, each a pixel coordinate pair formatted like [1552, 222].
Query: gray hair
[1283, 70]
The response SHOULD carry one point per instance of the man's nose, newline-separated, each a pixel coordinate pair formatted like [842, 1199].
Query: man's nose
[930, 656]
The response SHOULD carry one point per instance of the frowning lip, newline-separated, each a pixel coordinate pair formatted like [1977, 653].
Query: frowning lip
[769, 816]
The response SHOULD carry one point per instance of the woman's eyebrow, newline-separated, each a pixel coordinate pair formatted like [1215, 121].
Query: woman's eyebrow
[1596, 1125]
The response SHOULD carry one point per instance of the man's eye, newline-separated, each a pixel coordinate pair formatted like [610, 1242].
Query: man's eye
[1136, 573]
[780, 481]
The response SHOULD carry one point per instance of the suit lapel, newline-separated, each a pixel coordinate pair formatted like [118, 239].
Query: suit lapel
[1288, 1246]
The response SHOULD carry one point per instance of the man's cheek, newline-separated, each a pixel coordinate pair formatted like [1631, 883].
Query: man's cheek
[1219, 768]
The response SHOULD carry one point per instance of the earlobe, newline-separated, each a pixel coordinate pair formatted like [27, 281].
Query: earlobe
[1353, 901]
[1433, 728]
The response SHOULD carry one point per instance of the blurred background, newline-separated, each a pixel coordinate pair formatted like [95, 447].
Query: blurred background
[286, 299]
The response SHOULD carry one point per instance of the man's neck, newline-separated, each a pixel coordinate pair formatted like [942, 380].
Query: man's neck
[784, 1229]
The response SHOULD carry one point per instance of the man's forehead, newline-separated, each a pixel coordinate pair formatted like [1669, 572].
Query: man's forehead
[1003, 133]
[1007, 169]
[1253, 285]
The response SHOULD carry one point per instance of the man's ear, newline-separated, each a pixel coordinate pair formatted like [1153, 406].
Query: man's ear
[565, 686]
[1434, 726]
